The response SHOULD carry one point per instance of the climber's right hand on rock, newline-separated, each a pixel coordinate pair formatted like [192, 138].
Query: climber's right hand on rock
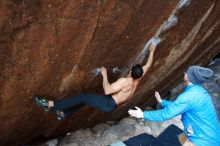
[152, 47]
[103, 71]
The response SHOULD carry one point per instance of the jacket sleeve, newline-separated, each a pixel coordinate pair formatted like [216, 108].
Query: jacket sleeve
[165, 103]
[179, 106]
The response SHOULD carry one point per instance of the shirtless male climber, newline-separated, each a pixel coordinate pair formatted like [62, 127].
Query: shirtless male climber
[115, 94]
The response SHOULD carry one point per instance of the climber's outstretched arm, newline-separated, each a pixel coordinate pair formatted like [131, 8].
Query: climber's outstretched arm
[150, 59]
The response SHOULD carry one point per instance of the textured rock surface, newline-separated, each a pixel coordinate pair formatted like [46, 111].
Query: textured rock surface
[54, 48]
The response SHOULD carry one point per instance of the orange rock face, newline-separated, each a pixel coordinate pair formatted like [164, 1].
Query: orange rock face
[55, 47]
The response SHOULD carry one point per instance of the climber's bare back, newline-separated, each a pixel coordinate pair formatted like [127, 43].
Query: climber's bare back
[128, 86]
[123, 89]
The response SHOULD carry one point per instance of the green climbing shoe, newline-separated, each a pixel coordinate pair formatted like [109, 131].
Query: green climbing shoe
[41, 101]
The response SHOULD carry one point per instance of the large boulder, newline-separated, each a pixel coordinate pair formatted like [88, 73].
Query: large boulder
[55, 48]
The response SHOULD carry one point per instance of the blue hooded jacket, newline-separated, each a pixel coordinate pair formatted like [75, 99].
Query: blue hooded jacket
[198, 115]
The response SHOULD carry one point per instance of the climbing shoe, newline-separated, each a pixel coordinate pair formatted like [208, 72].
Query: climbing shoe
[60, 115]
[41, 101]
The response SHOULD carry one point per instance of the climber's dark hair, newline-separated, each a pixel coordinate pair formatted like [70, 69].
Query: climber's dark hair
[137, 71]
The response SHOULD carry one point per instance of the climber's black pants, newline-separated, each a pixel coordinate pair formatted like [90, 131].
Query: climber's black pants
[104, 103]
